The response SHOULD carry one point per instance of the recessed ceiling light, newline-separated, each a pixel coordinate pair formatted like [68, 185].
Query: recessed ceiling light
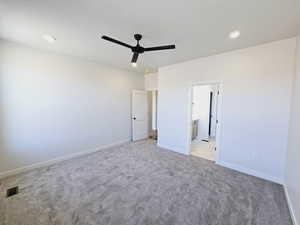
[49, 38]
[234, 34]
[133, 64]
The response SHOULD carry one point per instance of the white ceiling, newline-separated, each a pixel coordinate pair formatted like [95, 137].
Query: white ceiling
[197, 27]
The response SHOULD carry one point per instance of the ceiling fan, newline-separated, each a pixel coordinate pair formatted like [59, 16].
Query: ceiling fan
[138, 49]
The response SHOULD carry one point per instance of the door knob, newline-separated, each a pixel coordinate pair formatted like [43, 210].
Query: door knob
[134, 118]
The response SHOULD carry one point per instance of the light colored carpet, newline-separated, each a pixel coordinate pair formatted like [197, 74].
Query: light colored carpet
[139, 183]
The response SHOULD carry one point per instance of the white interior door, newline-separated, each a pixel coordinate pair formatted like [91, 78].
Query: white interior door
[139, 115]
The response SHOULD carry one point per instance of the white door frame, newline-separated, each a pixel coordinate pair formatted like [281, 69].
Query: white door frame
[219, 115]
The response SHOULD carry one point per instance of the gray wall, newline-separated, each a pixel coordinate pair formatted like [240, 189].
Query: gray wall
[52, 106]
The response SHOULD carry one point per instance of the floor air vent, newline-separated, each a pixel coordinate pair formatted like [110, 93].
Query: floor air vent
[12, 191]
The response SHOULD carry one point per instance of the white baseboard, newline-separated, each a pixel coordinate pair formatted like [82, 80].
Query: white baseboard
[59, 159]
[287, 196]
[170, 148]
[250, 172]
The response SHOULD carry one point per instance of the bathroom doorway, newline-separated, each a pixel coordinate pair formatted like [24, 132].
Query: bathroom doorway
[205, 103]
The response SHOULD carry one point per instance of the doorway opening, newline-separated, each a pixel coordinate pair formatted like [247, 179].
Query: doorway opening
[152, 114]
[205, 104]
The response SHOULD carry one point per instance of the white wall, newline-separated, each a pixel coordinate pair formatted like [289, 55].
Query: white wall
[292, 180]
[201, 104]
[52, 105]
[256, 91]
[151, 81]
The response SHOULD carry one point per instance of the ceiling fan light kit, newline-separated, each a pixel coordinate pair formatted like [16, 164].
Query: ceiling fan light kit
[137, 49]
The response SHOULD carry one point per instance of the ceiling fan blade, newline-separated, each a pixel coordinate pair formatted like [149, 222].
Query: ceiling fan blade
[116, 41]
[134, 57]
[165, 47]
